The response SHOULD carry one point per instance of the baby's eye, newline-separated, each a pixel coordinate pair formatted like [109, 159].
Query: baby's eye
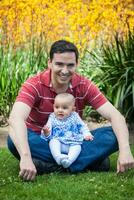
[65, 107]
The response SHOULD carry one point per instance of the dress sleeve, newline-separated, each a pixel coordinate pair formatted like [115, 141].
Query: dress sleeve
[84, 128]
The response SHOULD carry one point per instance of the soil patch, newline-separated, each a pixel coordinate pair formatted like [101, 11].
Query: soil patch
[3, 136]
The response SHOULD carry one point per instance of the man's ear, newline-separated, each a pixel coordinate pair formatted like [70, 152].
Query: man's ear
[78, 63]
[49, 64]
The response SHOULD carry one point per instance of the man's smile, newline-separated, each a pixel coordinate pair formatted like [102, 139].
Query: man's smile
[64, 77]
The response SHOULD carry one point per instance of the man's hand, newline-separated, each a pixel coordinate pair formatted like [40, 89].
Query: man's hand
[27, 169]
[125, 161]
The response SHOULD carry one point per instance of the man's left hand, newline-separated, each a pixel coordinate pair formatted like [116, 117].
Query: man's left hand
[125, 161]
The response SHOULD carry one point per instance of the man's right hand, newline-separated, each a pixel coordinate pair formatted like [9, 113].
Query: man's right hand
[27, 169]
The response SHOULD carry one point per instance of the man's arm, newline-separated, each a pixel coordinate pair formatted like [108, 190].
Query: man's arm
[125, 159]
[18, 133]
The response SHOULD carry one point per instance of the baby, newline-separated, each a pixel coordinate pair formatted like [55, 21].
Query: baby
[65, 131]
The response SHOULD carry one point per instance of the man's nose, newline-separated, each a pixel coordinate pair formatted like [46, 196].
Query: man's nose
[65, 70]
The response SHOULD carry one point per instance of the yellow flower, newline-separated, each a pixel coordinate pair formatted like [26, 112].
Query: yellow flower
[80, 21]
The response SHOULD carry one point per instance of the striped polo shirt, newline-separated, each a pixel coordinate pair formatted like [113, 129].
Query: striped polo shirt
[38, 93]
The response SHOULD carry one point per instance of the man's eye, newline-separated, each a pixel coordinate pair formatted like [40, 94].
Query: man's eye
[60, 64]
[70, 65]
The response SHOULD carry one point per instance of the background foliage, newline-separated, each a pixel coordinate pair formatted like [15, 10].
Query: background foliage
[16, 66]
[114, 63]
[80, 21]
[28, 28]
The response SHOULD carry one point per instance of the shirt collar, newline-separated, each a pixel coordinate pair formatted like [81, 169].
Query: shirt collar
[46, 79]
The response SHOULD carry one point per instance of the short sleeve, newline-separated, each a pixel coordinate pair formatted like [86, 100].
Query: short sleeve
[93, 95]
[29, 92]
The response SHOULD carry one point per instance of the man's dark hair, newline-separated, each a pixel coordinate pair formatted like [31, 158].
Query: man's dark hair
[62, 46]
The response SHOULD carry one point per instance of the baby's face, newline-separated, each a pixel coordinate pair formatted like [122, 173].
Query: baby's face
[63, 108]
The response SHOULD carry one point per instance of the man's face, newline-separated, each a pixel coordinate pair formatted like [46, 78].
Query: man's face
[62, 68]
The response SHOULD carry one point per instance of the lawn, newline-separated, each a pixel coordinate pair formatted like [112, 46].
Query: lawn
[55, 186]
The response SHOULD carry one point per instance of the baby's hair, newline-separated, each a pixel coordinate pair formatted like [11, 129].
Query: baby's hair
[68, 96]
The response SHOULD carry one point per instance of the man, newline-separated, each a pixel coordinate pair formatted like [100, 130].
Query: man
[35, 102]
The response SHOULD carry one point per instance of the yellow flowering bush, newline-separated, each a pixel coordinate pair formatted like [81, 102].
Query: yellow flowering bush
[80, 21]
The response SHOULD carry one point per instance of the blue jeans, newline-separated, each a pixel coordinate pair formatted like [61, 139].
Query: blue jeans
[104, 144]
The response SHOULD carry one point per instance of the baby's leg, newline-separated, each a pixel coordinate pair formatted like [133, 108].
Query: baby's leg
[73, 153]
[55, 148]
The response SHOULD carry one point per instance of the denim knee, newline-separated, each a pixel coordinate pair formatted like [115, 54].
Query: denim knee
[12, 148]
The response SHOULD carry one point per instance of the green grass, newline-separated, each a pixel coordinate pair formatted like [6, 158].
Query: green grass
[54, 186]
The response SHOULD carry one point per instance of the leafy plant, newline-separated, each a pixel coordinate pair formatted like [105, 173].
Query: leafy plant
[89, 68]
[16, 66]
[116, 60]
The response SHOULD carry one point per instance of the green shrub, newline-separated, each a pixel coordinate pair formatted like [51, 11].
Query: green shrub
[116, 61]
[16, 66]
[89, 68]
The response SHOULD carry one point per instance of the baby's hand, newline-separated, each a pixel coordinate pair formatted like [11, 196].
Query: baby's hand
[46, 130]
[89, 137]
